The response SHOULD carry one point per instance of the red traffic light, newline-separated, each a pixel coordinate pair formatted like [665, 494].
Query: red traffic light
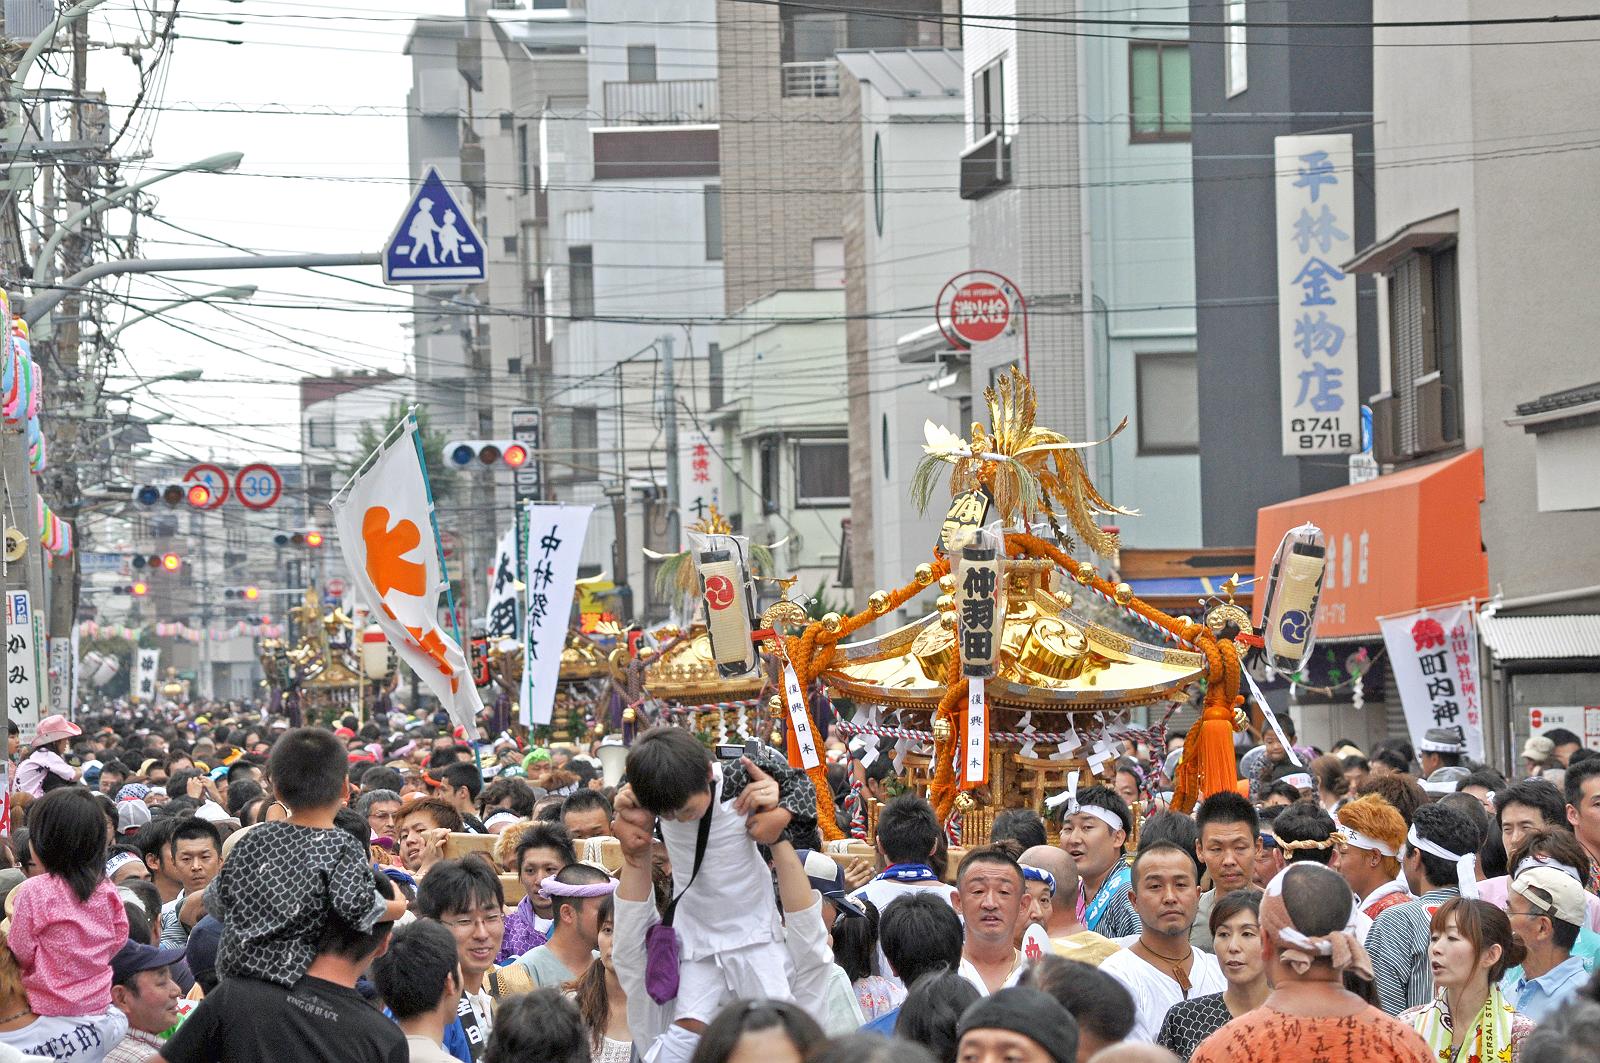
[515, 455]
[140, 590]
[171, 562]
[313, 538]
[199, 496]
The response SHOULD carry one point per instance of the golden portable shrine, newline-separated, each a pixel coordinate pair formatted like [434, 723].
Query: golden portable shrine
[318, 676]
[1005, 643]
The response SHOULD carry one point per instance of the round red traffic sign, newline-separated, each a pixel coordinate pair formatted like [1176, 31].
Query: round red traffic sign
[258, 486]
[979, 312]
[336, 586]
[1535, 717]
[215, 480]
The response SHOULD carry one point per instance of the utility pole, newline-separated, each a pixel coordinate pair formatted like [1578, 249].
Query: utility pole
[23, 579]
[669, 398]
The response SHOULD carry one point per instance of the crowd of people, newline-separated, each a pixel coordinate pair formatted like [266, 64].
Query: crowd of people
[214, 884]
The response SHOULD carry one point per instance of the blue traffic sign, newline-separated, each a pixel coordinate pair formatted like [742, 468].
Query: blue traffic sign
[435, 240]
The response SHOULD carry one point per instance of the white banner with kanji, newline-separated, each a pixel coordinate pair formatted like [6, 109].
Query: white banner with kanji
[555, 545]
[501, 622]
[146, 675]
[1433, 655]
[390, 542]
[699, 476]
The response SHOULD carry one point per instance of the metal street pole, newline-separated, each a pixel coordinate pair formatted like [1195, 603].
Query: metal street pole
[240, 293]
[669, 400]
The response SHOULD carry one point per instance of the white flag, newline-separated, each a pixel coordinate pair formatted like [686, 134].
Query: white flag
[555, 543]
[1433, 656]
[391, 545]
[146, 674]
[502, 614]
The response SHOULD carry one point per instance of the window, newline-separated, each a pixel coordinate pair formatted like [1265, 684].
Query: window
[524, 172]
[641, 63]
[1158, 90]
[827, 263]
[713, 201]
[580, 281]
[319, 431]
[1424, 413]
[877, 182]
[1168, 403]
[822, 472]
[1235, 55]
[989, 100]
[714, 377]
[767, 467]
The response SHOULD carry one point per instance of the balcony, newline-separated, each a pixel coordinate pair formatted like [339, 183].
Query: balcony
[811, 80]
[687, 102]
[986, 166]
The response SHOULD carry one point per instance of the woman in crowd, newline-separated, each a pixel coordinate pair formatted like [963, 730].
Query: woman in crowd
[855, 950]
[759, 1031]
[601, 1002]
[1468, 1019]
[542, 1025]
[1236, 933]
[932, 1011]
[1327, 772]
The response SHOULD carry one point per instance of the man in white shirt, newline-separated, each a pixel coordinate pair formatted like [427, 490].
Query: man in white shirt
[908, 834]
[989, 892]
[1161, 967]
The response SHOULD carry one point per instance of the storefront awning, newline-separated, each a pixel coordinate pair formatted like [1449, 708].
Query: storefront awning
[1541, 638]
[1404, 541]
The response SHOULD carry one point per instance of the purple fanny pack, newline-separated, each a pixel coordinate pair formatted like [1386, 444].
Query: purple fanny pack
[662, 950]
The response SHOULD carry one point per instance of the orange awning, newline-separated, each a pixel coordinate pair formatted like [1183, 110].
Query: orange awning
[1401, 542]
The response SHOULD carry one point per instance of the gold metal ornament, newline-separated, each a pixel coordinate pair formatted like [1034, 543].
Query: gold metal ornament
[947, 583]
[777, 738]
[832, 622]
[1123, 594]
[775, 703]
[965, 802]
[1086, 572]
[947, 620]
[879, 602]
[1241, 720]
[924, 574]
[945, 603]
[941, 729]
[629, 714]
[599, 730]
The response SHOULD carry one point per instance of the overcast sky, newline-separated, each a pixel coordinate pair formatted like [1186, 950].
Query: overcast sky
[332, 180]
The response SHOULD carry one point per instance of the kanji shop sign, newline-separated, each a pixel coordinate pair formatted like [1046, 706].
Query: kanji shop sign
[976, 307]
[1433, 654]
[555, 545]
[1320, 395]
[699, 477]
[23, 691]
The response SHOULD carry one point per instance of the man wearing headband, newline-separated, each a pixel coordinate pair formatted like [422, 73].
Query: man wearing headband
[1547, 908]
[574, 892]
[1442, 747]
[1371, 835]
[1095, 826]
[1438, 861]
[1309, 946]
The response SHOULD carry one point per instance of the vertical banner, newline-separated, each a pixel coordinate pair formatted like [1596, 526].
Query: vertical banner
[502, 613]
[390, 542]
[975, 759]
[803, 753]
[74, 655]
[23, 690]
[1320, 395]
[555, 543]
[146, 672]
[697, 482]
[1433, 655]
[60, 676]
[979, 608]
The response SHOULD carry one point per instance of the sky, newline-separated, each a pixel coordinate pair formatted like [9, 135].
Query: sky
[331, 177]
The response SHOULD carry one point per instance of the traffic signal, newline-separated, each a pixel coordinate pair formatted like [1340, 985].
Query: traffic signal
[461, 454]
[171, 562]
[242, 594]
[197, 495]
[138, 590]
[306, 537]
[168, 562]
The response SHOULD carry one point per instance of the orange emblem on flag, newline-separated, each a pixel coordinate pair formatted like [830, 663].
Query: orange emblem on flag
[387, 566]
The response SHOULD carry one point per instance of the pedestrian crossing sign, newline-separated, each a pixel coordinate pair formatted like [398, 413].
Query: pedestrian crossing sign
[435, 241]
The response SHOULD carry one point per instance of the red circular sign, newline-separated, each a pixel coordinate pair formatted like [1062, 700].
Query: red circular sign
[215, 480]
[719, 592]
[258, 486]
[336, 587]
[1535, 717]
[979, 312]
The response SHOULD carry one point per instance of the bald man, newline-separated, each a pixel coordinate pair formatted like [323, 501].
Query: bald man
[1068, 936]
[1134, 1052]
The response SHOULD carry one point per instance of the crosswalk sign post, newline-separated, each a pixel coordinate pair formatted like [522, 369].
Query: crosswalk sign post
[435, 240]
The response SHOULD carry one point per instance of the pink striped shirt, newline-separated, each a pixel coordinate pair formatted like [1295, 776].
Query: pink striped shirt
[64, 947]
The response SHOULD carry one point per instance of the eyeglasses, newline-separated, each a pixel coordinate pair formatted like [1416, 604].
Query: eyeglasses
[487, 922]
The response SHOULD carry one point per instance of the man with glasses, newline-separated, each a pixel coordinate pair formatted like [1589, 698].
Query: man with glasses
[381, 808]
[575, 891]
[1547, 910]
[466, 897]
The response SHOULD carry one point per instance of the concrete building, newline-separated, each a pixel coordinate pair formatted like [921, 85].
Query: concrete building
[1488, 345]
[1139, 215]
[903, 239]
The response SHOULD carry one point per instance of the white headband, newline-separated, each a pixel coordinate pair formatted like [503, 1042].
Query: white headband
[1299, 780]
[1356, 839]
[118, 861]
[1294, 936]
[1069, 797]
[1466, 866]
[1545, 861]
